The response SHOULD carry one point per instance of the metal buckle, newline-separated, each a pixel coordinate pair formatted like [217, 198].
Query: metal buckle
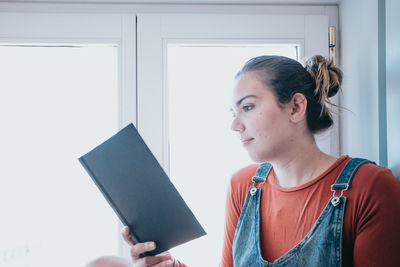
[260, 183]
[254, 188]
[336, 199]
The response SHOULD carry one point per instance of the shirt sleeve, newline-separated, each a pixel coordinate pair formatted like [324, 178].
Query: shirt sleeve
[377, 241]
[232, 214]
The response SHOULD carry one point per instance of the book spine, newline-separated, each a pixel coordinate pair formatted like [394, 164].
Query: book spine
[109, 200]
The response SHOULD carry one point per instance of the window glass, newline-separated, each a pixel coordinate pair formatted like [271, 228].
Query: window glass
[204, 152]
[56, 103]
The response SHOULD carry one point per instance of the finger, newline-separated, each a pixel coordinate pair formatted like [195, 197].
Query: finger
[140, 248]
[159, 260]
[127, 237]
[168, 263]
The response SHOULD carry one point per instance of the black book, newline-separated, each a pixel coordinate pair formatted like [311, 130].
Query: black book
[140, 192]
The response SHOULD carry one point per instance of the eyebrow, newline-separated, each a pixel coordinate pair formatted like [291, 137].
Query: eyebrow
[241, 100]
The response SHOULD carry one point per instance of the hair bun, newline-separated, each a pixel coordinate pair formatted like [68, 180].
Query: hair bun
[328, 77]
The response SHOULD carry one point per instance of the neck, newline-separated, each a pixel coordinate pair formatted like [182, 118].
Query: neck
[301, 164]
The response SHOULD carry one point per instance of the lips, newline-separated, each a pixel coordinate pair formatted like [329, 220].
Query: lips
[245, 141]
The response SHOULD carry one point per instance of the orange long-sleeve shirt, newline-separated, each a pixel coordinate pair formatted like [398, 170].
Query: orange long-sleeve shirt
[371, 228]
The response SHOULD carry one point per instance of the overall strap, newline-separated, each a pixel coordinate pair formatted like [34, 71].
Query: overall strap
[346, 175]
[262, 172]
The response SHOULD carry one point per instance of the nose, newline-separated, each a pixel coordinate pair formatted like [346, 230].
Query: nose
[237, 125]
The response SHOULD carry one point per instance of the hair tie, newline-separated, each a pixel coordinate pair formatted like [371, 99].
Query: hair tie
[312, 64]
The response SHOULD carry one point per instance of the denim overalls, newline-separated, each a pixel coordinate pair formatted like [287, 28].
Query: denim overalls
[322, 246]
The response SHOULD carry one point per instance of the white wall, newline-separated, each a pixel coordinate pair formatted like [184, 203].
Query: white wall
[359, 129]
[393, 84]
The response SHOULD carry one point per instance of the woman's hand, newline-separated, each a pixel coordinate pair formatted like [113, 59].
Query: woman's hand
[160, 260]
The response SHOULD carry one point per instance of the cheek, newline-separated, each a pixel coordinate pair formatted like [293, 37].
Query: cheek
[268, 124]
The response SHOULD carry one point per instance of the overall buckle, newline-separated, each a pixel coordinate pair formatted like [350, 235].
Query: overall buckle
[336, 199]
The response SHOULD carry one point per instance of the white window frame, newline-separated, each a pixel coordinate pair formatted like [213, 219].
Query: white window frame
[101, 22]
[86, 28]
[75, 29]
[156, 31]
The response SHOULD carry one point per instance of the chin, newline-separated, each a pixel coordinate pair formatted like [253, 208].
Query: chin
[260, 157]
[257, 158]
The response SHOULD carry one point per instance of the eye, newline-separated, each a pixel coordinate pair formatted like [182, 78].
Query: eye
[247, 107]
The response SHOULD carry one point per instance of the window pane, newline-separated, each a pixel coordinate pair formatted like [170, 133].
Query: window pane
[204, 152]
[56, 103]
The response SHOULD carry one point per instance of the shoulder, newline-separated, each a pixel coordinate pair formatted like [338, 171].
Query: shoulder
[370, 175]
[240, 182]
[374, 194]
[244, 175]
[372, 221]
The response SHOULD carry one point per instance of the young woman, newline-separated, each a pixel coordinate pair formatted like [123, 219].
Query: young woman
[300, 206]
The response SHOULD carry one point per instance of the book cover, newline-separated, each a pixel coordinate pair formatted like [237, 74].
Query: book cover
[140, 192]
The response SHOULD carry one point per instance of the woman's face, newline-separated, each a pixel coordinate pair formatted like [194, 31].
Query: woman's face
[263, 126]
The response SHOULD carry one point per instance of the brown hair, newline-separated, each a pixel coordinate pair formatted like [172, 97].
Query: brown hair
[317, 81]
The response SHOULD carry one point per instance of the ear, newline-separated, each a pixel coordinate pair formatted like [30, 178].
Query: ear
[298, 107]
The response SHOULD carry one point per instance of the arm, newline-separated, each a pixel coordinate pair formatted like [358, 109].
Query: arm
[377, 241]
[235, 199]
[232, 214]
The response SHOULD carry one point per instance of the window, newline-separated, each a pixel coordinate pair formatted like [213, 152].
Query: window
[203, 149]
[56, 104]
[183, 107]
[68, 83]
[46, 120]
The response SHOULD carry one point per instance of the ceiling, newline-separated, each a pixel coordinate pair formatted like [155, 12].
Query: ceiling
[276, 2]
